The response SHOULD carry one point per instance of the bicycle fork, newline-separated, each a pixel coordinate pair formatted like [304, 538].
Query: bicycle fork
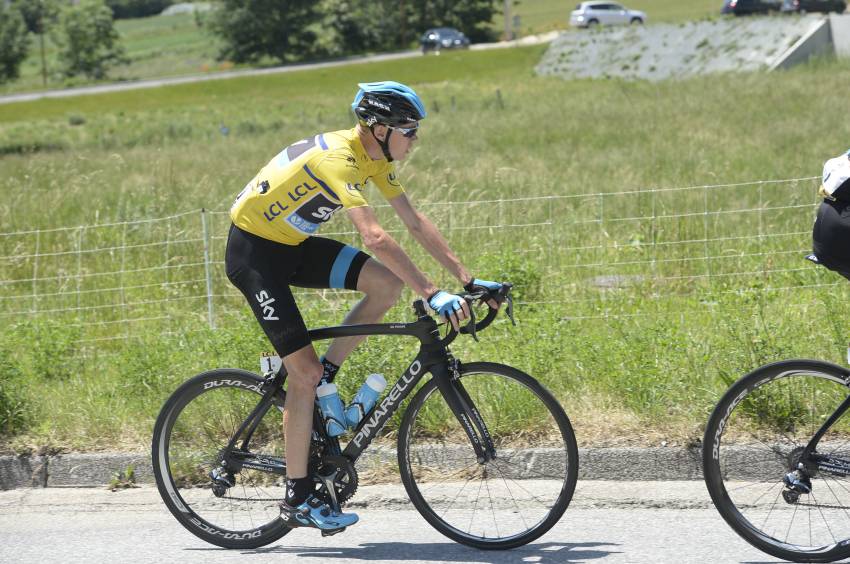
[457, 398]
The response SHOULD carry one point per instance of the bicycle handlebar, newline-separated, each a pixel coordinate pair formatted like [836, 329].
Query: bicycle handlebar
[503, 295]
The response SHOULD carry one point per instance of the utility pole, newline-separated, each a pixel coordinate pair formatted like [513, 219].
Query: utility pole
[508, 31]
[43, 60]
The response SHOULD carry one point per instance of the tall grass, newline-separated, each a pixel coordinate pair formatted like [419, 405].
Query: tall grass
[638, 363]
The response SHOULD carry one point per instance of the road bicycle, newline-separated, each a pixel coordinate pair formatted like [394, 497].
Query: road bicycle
[776, 459]
[481, 473]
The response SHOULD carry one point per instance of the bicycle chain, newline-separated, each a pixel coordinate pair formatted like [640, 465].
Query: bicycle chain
[842, 507]
[250, 498]
[343, 494]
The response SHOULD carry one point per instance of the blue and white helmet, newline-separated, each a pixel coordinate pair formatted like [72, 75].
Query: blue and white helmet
[387, 103]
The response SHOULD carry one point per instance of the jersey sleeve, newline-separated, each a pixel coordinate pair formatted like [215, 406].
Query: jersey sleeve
[340, 172]
[388, 183]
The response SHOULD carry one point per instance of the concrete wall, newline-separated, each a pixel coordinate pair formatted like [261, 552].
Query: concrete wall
[817, 42]
[840, 27]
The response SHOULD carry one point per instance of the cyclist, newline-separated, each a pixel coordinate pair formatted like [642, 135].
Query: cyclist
[272, 245]
[831, 232]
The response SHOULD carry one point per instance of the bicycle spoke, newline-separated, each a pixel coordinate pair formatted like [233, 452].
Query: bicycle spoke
[522, 500]
[767, 420]
[492, 508]
[513, 499]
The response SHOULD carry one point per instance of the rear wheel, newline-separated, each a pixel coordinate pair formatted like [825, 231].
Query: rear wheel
[755, 438]
[237, 509]
[510, 500]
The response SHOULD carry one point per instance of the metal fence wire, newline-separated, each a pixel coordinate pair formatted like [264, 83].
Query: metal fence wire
[112, 281]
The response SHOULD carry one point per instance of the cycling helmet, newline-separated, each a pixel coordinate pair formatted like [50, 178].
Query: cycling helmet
[836, 178]
[387, 103]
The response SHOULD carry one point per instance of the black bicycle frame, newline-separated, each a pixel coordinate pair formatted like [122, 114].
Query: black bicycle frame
[824, 462]
[433, 357]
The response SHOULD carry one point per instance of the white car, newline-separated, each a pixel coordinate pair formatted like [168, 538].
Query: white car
[588, 14]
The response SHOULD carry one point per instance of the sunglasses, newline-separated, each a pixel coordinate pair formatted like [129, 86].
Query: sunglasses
[406, 131]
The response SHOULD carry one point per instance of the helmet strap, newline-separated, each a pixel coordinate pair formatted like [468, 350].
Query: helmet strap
[385, 144]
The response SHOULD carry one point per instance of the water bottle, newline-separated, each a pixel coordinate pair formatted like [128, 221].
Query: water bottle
[332, 409]
[364, 400]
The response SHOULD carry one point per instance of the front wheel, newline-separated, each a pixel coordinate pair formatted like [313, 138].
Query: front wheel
[753, 448]
[510, 500]
[235, 508]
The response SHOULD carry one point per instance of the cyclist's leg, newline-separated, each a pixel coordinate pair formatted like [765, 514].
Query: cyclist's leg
[304, 372]
[382, 289]
[263, 270]
[331, 264]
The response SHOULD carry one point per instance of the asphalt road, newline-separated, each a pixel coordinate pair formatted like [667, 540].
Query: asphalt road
[608, 522]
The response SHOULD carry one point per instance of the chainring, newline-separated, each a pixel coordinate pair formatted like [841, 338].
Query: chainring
[345, 479]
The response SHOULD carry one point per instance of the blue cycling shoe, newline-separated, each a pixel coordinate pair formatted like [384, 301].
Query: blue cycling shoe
[317, 514]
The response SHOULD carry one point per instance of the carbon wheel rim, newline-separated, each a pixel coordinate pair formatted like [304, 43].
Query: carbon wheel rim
[197, 429]
[759, 438]
[518, 495]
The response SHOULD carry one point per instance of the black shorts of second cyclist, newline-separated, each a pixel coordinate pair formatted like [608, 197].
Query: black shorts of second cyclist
[264, 270]
[831, 236]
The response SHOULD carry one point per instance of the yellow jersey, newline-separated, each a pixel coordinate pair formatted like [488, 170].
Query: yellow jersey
[306, 183]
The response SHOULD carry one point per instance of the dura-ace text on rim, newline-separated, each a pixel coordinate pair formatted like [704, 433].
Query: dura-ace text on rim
[777, 459]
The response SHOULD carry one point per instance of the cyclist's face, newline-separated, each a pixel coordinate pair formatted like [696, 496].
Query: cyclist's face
[402, 139]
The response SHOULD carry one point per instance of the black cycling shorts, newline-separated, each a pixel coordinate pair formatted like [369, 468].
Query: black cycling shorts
[263, 270]
[831, 236]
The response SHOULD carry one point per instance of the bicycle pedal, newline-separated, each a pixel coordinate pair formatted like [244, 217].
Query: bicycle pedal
[332, 532]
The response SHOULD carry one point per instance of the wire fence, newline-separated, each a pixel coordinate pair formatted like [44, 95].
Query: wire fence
[112, 281]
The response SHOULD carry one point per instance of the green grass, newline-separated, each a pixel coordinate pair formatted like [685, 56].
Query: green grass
[165, 46]
[158, 46]
[636, 364]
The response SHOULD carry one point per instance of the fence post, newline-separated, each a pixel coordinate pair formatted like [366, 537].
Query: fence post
[35, 271]
[207, 268]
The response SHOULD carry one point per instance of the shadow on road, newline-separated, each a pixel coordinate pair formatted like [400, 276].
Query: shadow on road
[449, 552]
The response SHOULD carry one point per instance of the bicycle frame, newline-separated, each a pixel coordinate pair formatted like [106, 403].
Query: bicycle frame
[433, 357]
[823, 462]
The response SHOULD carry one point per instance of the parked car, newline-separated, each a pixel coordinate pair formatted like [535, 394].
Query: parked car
[747, 7]
[814, 6]
[443, 38]
[589, 14]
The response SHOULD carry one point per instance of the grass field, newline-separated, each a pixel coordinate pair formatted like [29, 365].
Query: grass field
[164, 46]
[637, 364]
[158, 46]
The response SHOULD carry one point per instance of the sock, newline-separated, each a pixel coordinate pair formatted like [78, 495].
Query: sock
[330, 370]
[297, 491]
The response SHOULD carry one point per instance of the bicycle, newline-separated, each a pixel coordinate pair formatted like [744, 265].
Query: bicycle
[776, 459]
[217, 448]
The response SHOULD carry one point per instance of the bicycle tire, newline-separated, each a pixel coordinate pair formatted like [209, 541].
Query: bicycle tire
[196, 422]
[755, 436]
[455, 456]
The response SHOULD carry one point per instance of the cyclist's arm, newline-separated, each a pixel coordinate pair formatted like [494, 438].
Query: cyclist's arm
[427, 234]
[389, 252]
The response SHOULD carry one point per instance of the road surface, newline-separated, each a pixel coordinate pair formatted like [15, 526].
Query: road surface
[608, 522]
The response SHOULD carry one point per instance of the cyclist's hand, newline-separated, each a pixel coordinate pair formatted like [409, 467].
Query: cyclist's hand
[450, 307]
[476, 285]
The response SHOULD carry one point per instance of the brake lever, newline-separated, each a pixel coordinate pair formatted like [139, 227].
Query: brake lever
[509, 310]
[471, 324]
